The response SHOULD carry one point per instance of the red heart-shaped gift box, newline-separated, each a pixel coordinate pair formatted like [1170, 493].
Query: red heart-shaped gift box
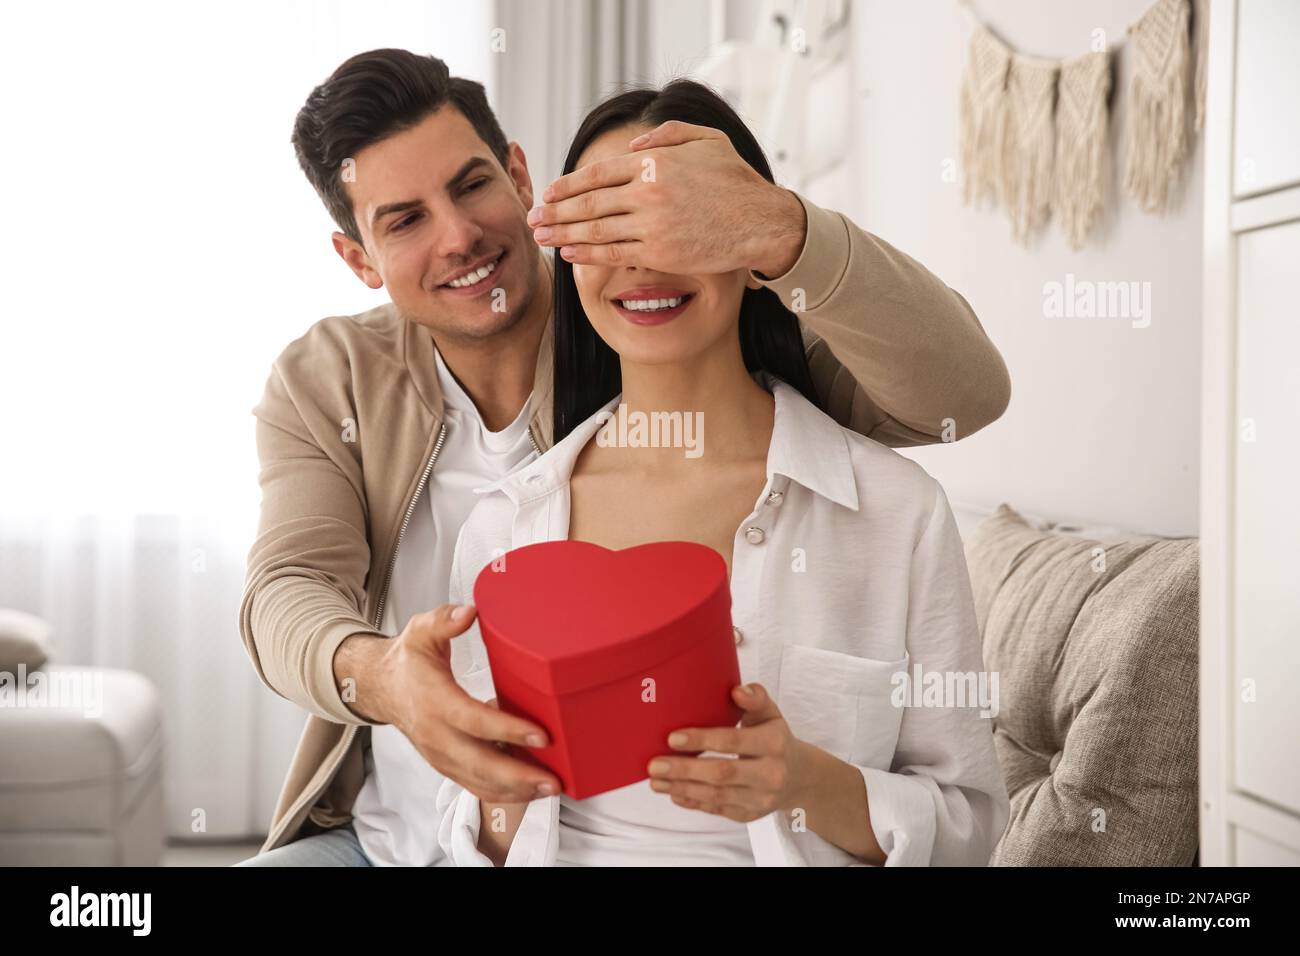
[609, 651]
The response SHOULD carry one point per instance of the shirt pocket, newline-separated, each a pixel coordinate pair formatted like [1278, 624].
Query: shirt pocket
[842, 703]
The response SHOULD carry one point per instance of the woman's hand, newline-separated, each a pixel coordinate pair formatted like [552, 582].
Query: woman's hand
[772, 769]
[498, 822]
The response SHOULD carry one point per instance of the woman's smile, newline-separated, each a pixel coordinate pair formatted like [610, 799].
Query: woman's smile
[651, 305]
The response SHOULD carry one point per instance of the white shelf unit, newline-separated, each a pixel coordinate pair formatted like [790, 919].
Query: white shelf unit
[1250, 454]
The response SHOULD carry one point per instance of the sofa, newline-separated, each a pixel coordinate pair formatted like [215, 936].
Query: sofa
[81, 780]
[1094, 635]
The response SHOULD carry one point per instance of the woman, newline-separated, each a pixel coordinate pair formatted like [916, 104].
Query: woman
[845, 565]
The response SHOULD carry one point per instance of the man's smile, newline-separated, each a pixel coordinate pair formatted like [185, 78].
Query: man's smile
[475, 278]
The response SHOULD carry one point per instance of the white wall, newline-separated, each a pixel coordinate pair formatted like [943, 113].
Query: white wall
[1103, 424]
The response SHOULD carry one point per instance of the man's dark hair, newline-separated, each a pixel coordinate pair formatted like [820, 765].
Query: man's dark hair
[369, 98]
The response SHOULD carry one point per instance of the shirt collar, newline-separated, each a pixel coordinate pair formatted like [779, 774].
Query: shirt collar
[807, 447]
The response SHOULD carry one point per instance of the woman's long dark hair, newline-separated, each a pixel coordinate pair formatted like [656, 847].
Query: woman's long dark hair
[587, 373]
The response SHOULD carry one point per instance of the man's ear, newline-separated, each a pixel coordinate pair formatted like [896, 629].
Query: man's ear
[354, 254]
[517, 169]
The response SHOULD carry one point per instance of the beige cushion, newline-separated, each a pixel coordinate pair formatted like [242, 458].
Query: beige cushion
[24, 639]
[1096, 651]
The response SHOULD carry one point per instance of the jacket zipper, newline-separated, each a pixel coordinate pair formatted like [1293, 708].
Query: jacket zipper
[406, 520]
[351, 731]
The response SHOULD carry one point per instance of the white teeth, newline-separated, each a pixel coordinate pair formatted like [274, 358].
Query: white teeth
[478, 275]
[652, 305]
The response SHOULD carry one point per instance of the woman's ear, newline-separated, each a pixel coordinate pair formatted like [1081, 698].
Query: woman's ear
[751, 282]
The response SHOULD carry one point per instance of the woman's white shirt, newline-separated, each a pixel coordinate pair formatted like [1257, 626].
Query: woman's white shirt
[848, 572]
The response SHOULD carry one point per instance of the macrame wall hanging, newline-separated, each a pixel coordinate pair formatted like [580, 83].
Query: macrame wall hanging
[1035, 134]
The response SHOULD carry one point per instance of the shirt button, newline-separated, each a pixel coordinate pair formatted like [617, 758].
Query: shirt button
[754, 535]
[533, 479]
[774, 498]
[736, 633]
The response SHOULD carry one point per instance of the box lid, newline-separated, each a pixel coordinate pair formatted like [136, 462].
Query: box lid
[567, 615]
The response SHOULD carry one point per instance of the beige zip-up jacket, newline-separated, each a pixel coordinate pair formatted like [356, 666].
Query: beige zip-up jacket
[348, 432]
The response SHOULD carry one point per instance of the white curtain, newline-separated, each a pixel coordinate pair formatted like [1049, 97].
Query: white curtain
[563, 56]
[160, 248]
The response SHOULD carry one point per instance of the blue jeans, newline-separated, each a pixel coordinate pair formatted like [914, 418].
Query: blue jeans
[336, 847]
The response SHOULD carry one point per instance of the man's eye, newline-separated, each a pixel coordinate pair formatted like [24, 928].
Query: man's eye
[403, 223]
[475, 184]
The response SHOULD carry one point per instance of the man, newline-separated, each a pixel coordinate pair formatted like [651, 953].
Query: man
[433, 204]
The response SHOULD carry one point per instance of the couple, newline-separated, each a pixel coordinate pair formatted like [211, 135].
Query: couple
[404, 448]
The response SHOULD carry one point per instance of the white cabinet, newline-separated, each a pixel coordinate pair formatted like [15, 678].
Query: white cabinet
[1267, 147]
[1266, 591]
[1255, 850]
[1250, 468]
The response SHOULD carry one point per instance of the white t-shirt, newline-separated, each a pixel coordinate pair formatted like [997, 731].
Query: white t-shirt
[638, 826]
[400, 785]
